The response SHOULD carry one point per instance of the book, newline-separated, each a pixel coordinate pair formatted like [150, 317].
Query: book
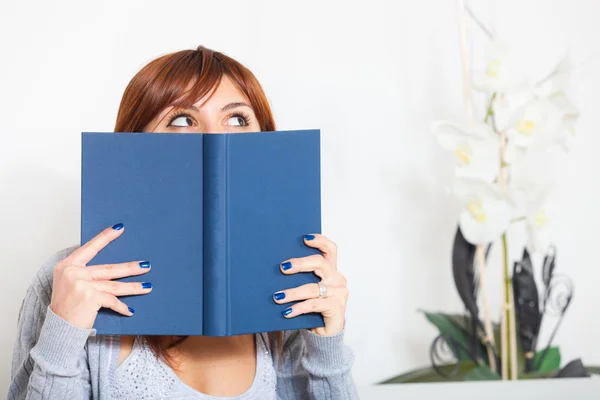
[215, 214]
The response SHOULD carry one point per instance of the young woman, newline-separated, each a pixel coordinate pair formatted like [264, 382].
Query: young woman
[57, 354]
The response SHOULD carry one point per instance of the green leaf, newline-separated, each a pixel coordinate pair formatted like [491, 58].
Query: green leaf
[550, 362]
[593, 370]
[460, 320]
[536, 375]
[481, 373]
[428, 374]
[464, 322]
[448, 328]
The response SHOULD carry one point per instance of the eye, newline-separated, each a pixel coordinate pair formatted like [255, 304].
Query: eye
[238, 120]
[181, 121]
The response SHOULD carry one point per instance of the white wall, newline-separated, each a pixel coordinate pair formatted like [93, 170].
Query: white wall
[372, 75]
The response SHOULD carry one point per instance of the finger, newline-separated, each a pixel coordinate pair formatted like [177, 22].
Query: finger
[314, 263]
[123, 288]
[115, 271]
[89, 250]
[329, 307]
[324, 245]
[305, 292]
[109, 301]
[308, 291]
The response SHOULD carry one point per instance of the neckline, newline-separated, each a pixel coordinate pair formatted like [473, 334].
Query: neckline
[262, 352]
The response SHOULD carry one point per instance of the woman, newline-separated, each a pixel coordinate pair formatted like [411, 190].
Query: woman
[58, 356]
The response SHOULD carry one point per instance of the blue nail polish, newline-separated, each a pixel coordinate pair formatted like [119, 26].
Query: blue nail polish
[145, 264]
[309, 237]
[279, 296]
[130, 310]
[287, 311]
[286, 265]
[118, 227]
[146, 285]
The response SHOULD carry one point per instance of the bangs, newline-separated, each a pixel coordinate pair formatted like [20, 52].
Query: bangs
[195, 76]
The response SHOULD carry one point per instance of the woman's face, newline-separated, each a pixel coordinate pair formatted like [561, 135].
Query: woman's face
[227, 111]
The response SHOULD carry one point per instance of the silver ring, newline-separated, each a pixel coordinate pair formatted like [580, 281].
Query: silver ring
[322, 290]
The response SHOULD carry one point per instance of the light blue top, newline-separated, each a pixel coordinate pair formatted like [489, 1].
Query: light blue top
[53, 359]
[142, 376]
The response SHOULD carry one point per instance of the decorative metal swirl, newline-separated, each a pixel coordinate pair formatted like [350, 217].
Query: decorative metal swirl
[442, 353]
[559, 295]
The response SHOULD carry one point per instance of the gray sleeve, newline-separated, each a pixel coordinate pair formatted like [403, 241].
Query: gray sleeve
[315, 367]
[49, 356]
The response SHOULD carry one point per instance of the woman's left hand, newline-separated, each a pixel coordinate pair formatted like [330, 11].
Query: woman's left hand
[332, 303]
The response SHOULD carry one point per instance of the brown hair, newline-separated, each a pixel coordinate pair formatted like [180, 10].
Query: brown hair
[163, 83]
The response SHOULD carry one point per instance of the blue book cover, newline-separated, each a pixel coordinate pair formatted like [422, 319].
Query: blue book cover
[215, 214]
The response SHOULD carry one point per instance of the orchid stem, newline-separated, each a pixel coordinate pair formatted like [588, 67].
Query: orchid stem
[490, 109]
[464, 56]
[487, 319]
[509, 309]
[478, 22]
[508, 322]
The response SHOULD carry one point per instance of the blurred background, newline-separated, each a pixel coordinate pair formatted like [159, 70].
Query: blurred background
[371, 75]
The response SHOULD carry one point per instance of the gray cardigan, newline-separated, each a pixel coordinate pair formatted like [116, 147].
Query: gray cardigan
[53, 359]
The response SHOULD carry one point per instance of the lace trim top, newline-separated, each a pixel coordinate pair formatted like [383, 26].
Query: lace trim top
[142, 376]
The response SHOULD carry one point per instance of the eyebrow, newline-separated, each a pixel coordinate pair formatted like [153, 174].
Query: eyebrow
[227, 107]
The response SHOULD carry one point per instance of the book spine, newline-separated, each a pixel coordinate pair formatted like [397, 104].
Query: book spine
[215, 246]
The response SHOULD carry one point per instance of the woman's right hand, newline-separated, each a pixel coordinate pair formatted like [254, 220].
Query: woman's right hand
[78, 292]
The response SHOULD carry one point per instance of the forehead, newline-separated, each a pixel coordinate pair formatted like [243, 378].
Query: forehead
[223, 93]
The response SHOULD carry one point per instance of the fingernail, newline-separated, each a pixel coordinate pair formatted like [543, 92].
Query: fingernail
[146, 285]
[145, 264]
[309, 237]
[118, 227]
[279, 296]
[286, 265]
[287, 311]
[131, 310]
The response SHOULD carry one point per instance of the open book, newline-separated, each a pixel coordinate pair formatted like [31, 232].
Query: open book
[215, 214]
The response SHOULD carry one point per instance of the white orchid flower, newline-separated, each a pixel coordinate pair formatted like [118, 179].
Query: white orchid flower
[558, 80]
[476, 151]
[487, 210]
[533, 176]
[554, 89]
[499, 74]
[535, 124]
[532, 170]
[539, 215]
[539, 222]
[569, 115]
